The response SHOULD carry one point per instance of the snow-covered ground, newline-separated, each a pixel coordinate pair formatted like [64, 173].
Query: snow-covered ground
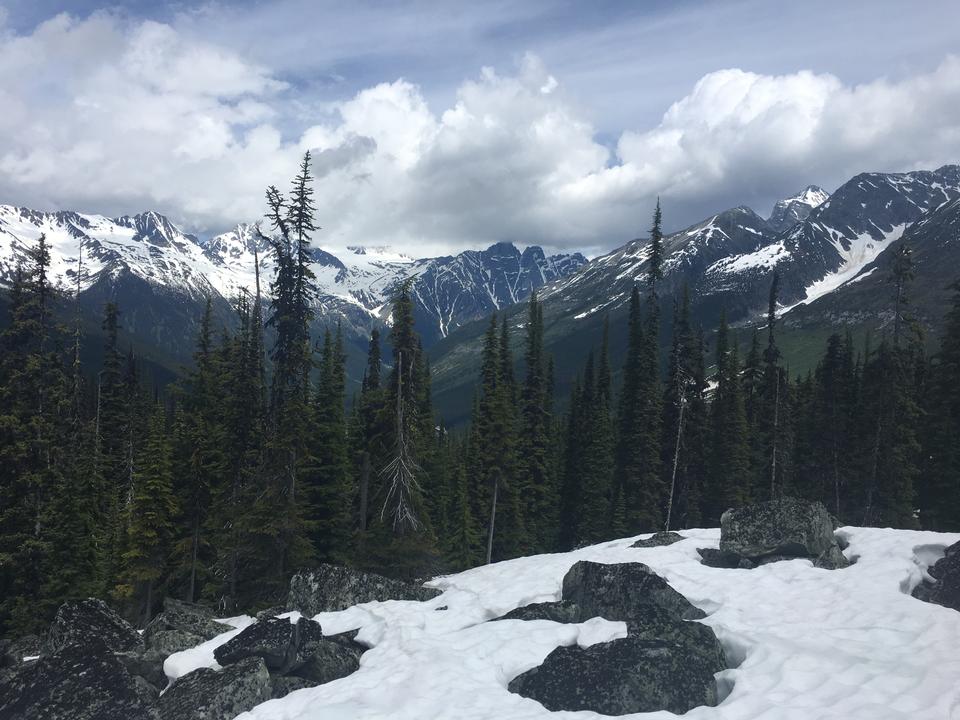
[806, 643]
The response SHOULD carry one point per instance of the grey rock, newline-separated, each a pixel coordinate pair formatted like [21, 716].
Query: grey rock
[561, 611]
[660, 539]
[786, 526]
[12, 652]
[631, 675]
[323, 660]
[945, 588]
[719, 558]
[831, 559]
[147, 664]
[622, 591]
[207, 694]
[329, 588]
[82, 621]
[842, 541]
[270, 612]
[168, 642]
[277, 641]
[185, 617]
[77, 682]
[285, 684]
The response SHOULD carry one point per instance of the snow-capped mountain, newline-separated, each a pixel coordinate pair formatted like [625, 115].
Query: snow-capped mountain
[789, 211]
[160, 276]
[727, 262]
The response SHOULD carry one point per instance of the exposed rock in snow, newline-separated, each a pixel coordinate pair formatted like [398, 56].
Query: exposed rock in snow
[562, 611]
[791, 210]
[631, 675]
[787, 527]
[80, 681]
[281, 644]
[185, 617]
[207, 694]
[623, 591]
[660, 539]
[944, 588]
[81, 621]
[332, 587]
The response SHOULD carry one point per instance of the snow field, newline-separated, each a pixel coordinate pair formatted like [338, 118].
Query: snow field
[804, 643]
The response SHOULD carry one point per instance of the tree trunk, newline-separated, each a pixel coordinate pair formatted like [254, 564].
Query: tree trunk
[364, 488]
[676, 459]
[493, 516]
[776, 424]
[193, 560]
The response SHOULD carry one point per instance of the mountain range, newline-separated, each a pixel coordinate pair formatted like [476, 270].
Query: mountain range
[830, 251]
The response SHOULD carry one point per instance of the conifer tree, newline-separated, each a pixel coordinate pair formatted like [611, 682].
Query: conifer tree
[596, 454]
[727, 478]
[940, 493]
[151, 516]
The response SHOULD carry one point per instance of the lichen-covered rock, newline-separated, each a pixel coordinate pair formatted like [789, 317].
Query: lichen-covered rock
[719, 558]
[276, 640]
[77, 682]
[660, 539]
[630, 675]
[329, 588]
[322, 660]
[622, 592]
[283, 685]
[168, 642]
[12, 652]
[185, 617]
[270, 612]
[207, 694]
[82, 621]
[147, 664]
[561, 611]
[786, 526]
[832, 558]
[945, 588]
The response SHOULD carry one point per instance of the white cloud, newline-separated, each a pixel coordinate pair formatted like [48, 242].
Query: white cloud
[108, 115]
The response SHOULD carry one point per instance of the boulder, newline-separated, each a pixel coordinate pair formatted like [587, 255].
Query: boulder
[168, 642]
[147, 665]
[283, 685]
[185, 617]
[719, 558]
[660, 539]
[329, 588]
[79, 681]
[622, 591]
[277, 641]
[831, 559]
[270, 612]
[322, 660]
[630, 675]
[786, 526]
[82, 621]
[207, 694]
[945, 588]
[561, 611]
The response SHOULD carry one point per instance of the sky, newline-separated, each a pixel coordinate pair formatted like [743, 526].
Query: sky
[440, 126]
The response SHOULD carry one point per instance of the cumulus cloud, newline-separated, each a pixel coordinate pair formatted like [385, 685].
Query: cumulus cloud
[109, 115]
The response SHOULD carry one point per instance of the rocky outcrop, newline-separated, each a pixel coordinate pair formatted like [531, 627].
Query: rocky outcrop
[328, 659]
[782, 529]
[82, 621]
[283, 685]
[184, 617]
[561, 611]
[329, 588]
[660, 539]
[632, 675]
[207, 694]
[77, 681]
[622, 592]
[945, 587]
[666, 662]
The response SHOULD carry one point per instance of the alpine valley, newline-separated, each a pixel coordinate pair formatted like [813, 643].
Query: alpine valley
[831, 252]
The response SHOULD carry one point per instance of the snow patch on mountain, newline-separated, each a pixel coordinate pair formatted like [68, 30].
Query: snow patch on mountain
[791, 210]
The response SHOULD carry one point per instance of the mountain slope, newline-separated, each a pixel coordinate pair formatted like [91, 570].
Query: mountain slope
[797, 208]
[727, 263]
[160, 277]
